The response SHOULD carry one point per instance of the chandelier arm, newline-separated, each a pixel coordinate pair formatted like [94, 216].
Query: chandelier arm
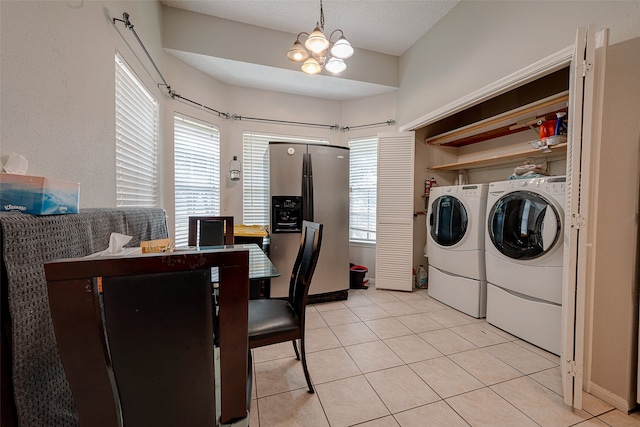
[305, 33]
[335, 31]
[316, 50]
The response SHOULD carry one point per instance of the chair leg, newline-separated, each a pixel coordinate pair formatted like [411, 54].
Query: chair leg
[304, 365]
[295, 348]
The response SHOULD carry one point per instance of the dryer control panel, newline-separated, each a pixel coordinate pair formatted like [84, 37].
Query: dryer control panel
[468, 191]
[550, 185]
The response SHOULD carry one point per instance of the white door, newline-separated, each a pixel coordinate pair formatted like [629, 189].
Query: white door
[587, 72]
[394, 229]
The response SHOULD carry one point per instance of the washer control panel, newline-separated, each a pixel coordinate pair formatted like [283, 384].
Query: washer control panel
[550, 185]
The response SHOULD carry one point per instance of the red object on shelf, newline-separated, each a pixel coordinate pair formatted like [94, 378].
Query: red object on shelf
[547, 128]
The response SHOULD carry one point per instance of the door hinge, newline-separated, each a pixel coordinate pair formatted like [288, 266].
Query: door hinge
[578, 221]
[586, 67]
[572, 368]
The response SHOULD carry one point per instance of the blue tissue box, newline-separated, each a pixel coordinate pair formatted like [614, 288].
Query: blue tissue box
[38, 195]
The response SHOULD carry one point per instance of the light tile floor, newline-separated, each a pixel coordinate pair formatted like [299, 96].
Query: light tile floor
[389, 359]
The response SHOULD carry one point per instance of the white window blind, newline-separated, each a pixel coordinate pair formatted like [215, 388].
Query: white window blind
[363, 176]
[255, 183]
[197, 172]
[137, 116]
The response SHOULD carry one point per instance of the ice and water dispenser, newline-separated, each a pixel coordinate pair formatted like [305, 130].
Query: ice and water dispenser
[286, 214]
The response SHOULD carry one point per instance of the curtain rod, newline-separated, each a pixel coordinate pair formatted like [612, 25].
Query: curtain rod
[388, 123]
[286, 122]
[173, 94]
[129, 25]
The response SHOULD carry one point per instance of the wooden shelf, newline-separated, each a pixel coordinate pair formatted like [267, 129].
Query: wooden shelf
[504, 124]
[557, 151]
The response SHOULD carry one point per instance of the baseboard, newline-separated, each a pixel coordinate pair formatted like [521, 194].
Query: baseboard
[612, 399]
[328, 297]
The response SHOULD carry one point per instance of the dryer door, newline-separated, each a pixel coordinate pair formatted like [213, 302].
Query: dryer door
[448, 221]
[524, 225]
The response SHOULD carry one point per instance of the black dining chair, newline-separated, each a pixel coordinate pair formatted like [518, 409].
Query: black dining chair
[141, 351]
[273, 321]
[210, 231]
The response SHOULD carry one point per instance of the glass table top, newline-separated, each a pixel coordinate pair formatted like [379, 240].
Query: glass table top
[260, 266]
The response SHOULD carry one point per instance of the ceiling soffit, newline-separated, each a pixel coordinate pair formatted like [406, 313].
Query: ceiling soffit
[251, 56]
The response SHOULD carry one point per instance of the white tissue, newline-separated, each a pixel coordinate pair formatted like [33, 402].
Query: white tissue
[16, 164]
[116, 246]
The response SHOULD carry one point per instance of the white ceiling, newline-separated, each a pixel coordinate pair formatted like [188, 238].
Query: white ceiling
[385, 26]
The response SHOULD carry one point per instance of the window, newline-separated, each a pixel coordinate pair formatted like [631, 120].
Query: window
[197, 172]
[363, 176]
[137, 116]
[255, 183]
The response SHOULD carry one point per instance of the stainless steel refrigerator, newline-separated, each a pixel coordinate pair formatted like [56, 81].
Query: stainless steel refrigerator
[310, 182]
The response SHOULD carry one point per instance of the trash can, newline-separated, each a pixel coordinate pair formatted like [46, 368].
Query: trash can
[356, 276]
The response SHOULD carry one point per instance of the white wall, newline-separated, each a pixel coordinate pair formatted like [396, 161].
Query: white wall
[479, 42]
[57, 92]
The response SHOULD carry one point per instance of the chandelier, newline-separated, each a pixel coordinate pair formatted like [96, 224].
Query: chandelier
[319, 51]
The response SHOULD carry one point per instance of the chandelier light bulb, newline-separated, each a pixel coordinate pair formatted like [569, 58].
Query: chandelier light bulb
[335, 65]
[311, 66]
[342, 49]
[317, 42]
[297, 53]
[320, 52]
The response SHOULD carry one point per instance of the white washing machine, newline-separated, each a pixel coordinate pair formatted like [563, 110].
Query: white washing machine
[524, 257]
[455, 247]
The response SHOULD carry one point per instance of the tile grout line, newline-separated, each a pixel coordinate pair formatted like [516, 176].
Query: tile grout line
[513, 340]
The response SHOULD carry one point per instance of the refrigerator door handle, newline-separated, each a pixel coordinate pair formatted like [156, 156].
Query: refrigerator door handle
[305, 186]
[310, 189]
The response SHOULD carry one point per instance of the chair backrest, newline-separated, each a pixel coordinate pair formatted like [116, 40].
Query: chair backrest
[141, 352]
[304, 266]
[210, 230]
[160, 336]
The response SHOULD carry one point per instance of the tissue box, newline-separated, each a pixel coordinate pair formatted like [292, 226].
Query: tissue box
[38, 195]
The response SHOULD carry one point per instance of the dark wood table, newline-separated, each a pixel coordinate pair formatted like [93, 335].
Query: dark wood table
[233, 306]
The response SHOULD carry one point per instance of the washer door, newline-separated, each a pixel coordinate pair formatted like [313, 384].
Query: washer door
[448, 221]
[524, 225]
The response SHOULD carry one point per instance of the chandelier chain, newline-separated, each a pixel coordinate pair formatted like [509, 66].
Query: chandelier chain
[321, 17]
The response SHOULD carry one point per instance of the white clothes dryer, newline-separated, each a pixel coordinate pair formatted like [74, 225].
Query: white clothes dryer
[524, 258]
[455, 246]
